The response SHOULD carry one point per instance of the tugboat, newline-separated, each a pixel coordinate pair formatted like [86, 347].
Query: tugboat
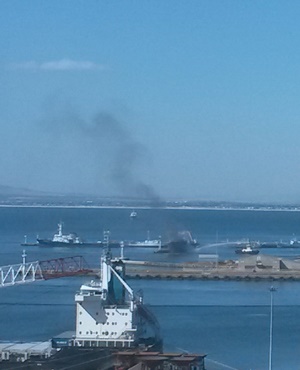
[247, 250]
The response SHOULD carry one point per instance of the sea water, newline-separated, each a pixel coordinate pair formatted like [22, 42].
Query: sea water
[229, 321]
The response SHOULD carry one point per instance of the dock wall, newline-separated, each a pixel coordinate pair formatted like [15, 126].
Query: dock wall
[231, 270]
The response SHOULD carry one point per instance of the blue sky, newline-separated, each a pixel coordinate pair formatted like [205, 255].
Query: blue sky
[170, 99]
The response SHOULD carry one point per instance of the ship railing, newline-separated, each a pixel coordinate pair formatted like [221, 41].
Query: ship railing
[103, 343]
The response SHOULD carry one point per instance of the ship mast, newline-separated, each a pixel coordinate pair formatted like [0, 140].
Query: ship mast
[60, 229]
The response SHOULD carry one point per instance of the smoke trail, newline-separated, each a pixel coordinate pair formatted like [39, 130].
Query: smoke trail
[125, 157]
[103, 148]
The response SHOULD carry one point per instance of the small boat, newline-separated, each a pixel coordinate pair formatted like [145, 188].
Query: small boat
[247, 250]
[133, 214]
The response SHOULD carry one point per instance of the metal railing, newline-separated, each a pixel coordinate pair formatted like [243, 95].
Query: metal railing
[28, 272]
[20, 274]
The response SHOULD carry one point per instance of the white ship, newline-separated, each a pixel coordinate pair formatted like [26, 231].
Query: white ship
[109, 314]
[148, 243]
[110, 318]
[62, 240]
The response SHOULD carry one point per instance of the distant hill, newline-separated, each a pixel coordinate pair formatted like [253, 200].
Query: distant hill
[14, 191]
[14, 196]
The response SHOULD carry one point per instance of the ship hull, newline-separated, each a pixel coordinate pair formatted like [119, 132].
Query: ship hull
[78, 358]
[51, 243]
[72, 358]
[143, 245]
[178, 247]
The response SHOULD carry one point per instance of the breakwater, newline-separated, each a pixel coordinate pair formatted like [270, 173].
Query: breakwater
[231, 270]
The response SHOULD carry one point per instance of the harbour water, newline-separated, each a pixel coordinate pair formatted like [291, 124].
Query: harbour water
[229, 321]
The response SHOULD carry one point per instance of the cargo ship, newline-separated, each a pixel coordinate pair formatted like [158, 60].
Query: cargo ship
[110, 318]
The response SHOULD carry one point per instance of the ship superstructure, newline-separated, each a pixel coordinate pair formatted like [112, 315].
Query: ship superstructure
[110, 314]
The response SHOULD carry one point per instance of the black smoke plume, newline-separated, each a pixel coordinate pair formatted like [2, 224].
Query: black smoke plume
[125, 156]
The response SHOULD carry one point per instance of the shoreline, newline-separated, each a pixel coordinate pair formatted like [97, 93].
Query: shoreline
[183, 208]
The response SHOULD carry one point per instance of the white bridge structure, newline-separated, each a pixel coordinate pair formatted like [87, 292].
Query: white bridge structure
[28, 272]
[22, 273]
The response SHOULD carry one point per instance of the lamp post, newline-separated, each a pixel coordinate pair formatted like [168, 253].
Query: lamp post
[272, 290]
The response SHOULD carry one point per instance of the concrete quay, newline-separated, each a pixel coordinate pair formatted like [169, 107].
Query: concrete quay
[250, 268]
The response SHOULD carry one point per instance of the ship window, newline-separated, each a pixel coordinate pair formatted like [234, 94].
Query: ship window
[80, 332]
[125, 323]
[106, 333]
[113, 313]
[87, 332]
[80, 322]
[107, 323]
[97, 313]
